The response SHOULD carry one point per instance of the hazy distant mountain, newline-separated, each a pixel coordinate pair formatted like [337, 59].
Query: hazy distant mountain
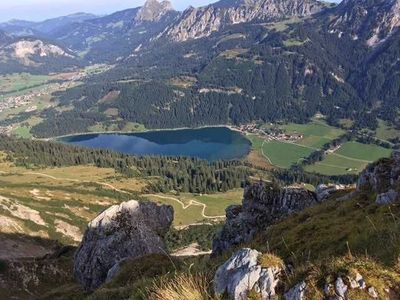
[32, 54]
[116, 35]
[26, 28]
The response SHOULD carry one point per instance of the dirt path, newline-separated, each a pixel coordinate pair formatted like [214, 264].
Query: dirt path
[77, 180]
[186, 206]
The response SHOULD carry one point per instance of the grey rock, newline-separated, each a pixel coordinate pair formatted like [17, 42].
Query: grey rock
[115, 270]
[387, 198]
[203, 21]
[242, 273]
[131, 229]
[262, 205]
[297, 292]
[341, 288]
[382, 178]
[324, 191]
[372, 292]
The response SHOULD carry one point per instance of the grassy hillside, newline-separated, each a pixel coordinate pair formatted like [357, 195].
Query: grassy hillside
[329, 240]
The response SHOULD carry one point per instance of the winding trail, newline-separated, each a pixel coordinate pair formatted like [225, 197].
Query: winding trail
[186, 206]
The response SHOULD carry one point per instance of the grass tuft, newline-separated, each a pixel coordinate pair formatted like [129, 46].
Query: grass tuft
[269, 260]
[181, 287]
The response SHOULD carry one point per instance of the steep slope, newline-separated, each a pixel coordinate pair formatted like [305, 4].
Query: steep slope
[122, 31]
[375, 21]
[27, 28]
[203, 21]
[33, 55]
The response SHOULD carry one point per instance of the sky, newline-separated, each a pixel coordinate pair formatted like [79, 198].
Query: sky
[37, 10]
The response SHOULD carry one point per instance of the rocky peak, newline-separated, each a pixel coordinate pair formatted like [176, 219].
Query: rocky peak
[201, 22]
[153, 10]
[262, 205]
[374, 21]
[130, 230]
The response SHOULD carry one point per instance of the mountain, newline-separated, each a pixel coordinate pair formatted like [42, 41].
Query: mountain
[203, 21]
[374, 20]
[27, 28]
[122, 31]
[31, 54]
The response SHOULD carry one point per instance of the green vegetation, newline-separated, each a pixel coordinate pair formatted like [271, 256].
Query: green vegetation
[335, 228]
[21, 81]
[365, 152]
[350, 158]
[316, 133]
[285, 154]
[386, 132]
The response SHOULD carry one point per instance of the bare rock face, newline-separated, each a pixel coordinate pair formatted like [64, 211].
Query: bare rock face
[382, 178]
[262, 205]
[203, 21]
[374, 21]
[153, 11]
[297, 292]
[242, 273]
[131, 229]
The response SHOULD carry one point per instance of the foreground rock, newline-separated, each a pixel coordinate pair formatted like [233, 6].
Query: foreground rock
[382, 178]
[131, 229]
[243, 273]
[262, 205]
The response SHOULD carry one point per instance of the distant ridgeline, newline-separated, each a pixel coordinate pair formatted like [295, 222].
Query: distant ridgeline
[268, 68]
[182, 174]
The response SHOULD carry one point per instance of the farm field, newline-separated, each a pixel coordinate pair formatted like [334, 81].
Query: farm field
[19, 82]
[284, 154]
[351, 158]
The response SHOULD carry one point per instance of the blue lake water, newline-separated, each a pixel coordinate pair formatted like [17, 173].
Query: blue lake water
[211, 143]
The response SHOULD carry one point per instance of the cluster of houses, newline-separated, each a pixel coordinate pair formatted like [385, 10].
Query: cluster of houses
[273, 134]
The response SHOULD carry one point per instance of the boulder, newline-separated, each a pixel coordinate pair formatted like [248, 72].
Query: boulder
[130, 230]
[297, 292]
[324, 191]
[242, 273]
[341, 289]
[382, 178]
[387, 198]
[263, 204]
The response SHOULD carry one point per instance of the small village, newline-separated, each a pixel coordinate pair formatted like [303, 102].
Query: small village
[273, 134]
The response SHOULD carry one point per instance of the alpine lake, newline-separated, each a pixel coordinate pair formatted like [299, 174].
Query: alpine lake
[210, 143]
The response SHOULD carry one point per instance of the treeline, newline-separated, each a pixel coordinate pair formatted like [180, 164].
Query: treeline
[297, 175]
[174, 173]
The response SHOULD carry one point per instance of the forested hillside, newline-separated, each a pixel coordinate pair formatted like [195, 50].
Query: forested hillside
[284, 70]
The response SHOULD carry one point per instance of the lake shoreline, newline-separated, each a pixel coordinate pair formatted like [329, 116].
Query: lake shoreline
[207, 142]
[231, 127]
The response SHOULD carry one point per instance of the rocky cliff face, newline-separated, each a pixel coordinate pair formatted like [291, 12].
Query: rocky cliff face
[382, 178]
[153, 11]
[374, 21]
[262, 205]
[201, 22]
[129, 230]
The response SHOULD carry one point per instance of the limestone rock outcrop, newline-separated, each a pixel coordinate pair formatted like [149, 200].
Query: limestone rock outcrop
[132, 229]
[382, 178]
[242, 273]
[262, 205]
[203, 21]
